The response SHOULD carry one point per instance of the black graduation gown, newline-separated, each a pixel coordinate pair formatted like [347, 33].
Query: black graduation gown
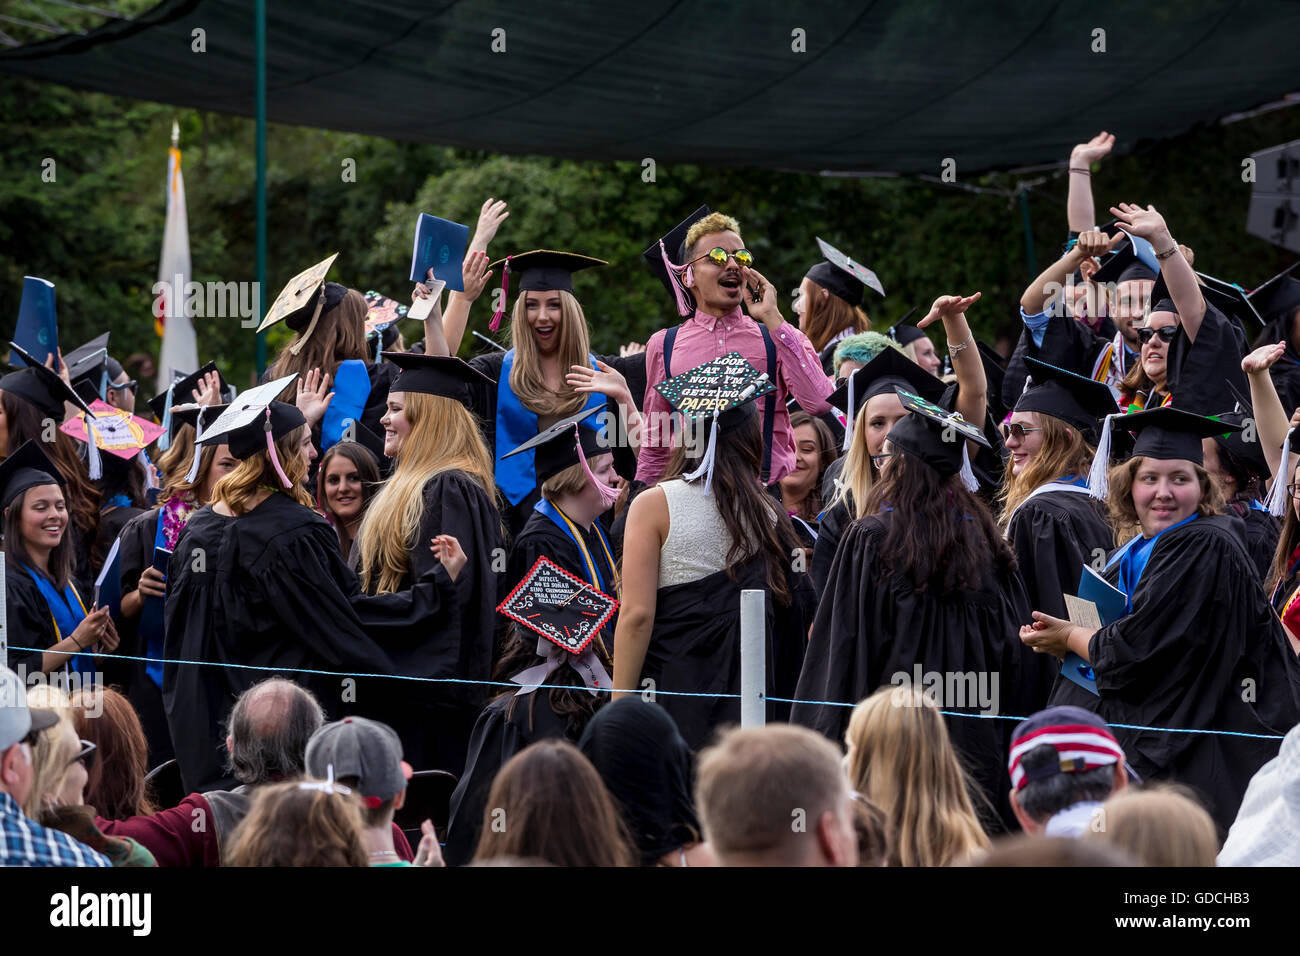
[1202, 649]
[829, 532]
[1262, 531]
[269, 588]
[457, 505]
[1067, 344]
[541, 538]
[483, 401]
[1200, 372]
[498, 735]
[29, 621]
[136, 553]
[695, 648]
[111, 523]
[1054, 535]
[871, 626]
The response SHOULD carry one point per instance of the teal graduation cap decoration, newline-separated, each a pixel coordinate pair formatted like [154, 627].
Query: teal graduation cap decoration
[937, 437]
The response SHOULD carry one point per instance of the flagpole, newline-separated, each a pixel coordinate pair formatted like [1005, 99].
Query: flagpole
[260, 30]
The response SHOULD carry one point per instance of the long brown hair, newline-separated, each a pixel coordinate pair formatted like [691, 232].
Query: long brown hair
[901, 758]
[826, 316]
[367, 470]
[573, 346]
[1287, 541]
[746, 508]
[340, 334]
[549, 803]
[290, 826]
[1123, 514]
[572, 702]
[812, 505]
[237, 488]
[60, 560]
[116, 788]
[1063, 452]
[942, 537]
[27, 423]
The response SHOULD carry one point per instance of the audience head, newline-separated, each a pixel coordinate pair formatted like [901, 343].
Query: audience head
[300, 824]
[776, 796]
[20, 728]
[901, 759]
[365, 756]
[269, 729]
[1158, 826]
[647, 766]
[59, 761]
[1025, 850]
[116, 788]
[1271, 806]
[856, 351]
[549, 803]
[1062, 757]
[346, 480]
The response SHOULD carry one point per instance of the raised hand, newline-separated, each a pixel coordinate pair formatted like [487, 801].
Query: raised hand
[948, 307]
[63, 366]
[604, 379]
[448, 550]
[475, 274]
[1085, 154]
[429, 853]
[631, 348]
[490, 218]
[1262, 358]
[314, 396]
[209, 390]
[1095, 243]
[1146, 223]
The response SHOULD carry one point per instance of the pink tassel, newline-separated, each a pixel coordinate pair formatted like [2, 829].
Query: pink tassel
[505, 285]
[608, 493]
[270, 451]
[684, 307]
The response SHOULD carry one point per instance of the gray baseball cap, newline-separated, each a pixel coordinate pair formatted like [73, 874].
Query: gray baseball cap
[17, 720]
[366, 749]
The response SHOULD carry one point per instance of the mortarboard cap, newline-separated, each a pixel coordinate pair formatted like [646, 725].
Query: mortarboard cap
[935, 436]
[843, 277]
[1075, 399]
[447, 376]
[1133, 258]
[557, 447]
[887, 372]
[89, 368]
[561, 607]
[40, 386]
[674, 246]
[1226, 297]
[1170, 434]
[182, 390]
[242, 425]
[26, 468]
[1248, 454]
[546, 270]
[302, 296]
[905, 334]
[116, 430]
[1279, 297]
[727, 384]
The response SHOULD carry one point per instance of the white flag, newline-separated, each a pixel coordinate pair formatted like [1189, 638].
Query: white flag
[179, 349]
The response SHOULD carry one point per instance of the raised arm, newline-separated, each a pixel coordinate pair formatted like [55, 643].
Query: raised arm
[972, 386]
[1271, 419]
[1078, 204]
[475, 271]
[1051, 281]
[1177, 272]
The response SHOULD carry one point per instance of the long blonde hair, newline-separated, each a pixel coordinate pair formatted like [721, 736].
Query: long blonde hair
[902, 760]
[174, 464]
[239, 487]
[52, 754]
[444, 436]
[1063, 452]
[859, 471]
[573, 348]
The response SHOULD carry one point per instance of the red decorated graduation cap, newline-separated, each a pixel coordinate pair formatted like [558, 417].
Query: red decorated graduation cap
[567, 613]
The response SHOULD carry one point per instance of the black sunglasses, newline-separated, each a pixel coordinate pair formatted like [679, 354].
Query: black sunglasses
[1018, 430]
[1166, 334]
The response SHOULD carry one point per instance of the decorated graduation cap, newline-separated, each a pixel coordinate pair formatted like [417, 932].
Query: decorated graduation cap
[937, 437]
[1133, 258]
[181, 391]
[447, 376]
[40, 386]
[112, 430]
[254, 421]
[663, 254]
[303, 300]
[722, 391]
[28, 467]
[843, 277]
[1075, 399]
[1279, 297]
[88, 368]
[567, 613]
[567, 443]
[885, 374]
[541, 270]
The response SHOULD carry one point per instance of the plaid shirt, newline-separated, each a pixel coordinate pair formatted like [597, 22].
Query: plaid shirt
[24, 842]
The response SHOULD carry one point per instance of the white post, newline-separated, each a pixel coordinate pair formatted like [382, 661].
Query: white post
[753, 658]
[4, 618]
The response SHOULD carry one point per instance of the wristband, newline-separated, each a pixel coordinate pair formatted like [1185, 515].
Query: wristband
[1165, 255]
[1081, 169]
[954, 349]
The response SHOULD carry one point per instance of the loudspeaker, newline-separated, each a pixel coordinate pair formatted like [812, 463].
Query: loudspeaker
[1274, 212]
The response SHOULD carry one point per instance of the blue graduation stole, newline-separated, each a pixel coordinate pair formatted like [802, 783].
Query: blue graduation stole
[152, 626]
[565, 524]
[1133, 558]
[516, 476]
[66, 612]
[351, 390]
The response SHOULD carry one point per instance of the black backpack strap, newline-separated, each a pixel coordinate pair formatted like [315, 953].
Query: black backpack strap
[769, 403]
[669, 337]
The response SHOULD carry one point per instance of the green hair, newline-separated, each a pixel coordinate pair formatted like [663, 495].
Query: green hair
[863, 347]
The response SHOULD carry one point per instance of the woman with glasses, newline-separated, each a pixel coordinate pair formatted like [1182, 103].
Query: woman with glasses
[1147, 383]
[1193, 643]
[61, 767]
[924, 585]
[1051, 521]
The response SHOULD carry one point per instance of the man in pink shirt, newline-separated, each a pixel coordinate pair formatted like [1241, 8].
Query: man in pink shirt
[710, 294]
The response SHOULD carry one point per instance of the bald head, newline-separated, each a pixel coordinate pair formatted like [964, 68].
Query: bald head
[269, 729]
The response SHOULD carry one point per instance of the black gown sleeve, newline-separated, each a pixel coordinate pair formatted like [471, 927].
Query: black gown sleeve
[1053, 540]
[1201, 372]
[829, 532]
[29, 622]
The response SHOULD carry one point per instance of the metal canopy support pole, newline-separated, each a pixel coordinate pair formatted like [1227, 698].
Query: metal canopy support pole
[260, 29]
[753, 658]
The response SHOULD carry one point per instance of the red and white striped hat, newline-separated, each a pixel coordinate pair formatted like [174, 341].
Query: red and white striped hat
[1082, 740]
